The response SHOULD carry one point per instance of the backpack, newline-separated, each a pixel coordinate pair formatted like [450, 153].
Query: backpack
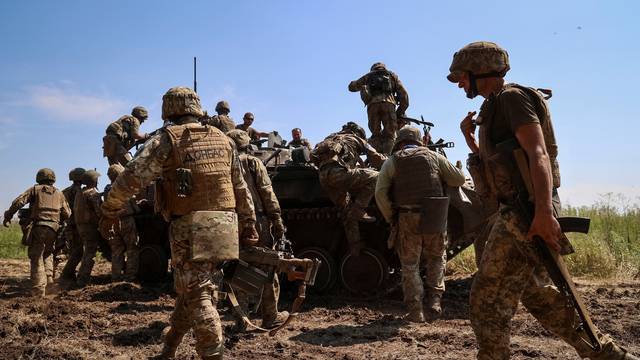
[380, 83]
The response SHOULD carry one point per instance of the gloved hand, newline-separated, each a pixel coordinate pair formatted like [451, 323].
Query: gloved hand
[249, 236]
[278, 227]
[6, 222]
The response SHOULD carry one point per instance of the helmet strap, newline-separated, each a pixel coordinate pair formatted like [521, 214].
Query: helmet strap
[473, 84]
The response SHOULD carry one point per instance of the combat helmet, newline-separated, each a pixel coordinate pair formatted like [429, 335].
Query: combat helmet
[180, 101]
[481, 59]
[222, 105]
[90, 177]
[114, 170]
[408, 134]
[378, 66]
[76, 174]
[240, 137]
[45, 176]
[355, 129]
[140, 113]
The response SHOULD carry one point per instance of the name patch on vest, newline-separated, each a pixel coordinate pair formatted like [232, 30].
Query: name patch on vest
[203, 154]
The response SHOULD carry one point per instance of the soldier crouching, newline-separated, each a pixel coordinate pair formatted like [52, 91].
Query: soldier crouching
[205, 198]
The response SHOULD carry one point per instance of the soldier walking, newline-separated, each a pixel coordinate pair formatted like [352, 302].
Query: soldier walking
[123, 236]
[381, 90]
[202, 191]
[510, 269]
[71, 236]
[122, 134]
[411, 177]
[48, 209]
[87, 213]
[269, 225]
[349, 187]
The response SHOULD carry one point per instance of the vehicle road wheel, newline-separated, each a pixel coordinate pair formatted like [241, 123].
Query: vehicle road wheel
[153, 263]
[327, 274]
[364, 274]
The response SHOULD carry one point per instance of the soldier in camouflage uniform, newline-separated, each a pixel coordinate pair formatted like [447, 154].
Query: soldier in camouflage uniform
[268, 223]
[48, 209]
[349, 186]
[123, 237]
[87, 213]
[122, 134]
[71, 236]
[202, 177]
[222, 121]
[381, 90]
[510, 269]
[297, 140]
[410, 175]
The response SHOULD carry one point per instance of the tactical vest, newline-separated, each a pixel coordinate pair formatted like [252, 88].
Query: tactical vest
[207, 154]
[379, 83]
[250, 177]
[417, 175]
[46, 205]
[122, 130]
[500, 169]
[82, 212]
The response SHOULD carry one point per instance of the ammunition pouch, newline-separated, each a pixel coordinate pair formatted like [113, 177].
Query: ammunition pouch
[246, 278]
[213, 236]
[184, 182]
[433, 215]
[505, 176]
[476, 169]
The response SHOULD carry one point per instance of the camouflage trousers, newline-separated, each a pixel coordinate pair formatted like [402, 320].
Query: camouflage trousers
[125, 241]
[90, 238]
[510, 271]
[382, 114]
[352, 190]
[74, 256]
[270, 293]
[197, 298]
[42, 240]
[263, 226]
[416, 251]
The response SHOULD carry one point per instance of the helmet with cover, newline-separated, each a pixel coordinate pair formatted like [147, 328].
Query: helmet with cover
[353, 128]
[76, 174]
[180, 101]
[240, 137]
[410, 135]
[480, 59]
[223, 106]
[140, 113]
[90, 177]
[45, 176]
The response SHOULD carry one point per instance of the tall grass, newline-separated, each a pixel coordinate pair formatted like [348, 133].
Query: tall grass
[610, 250]
[10, 246]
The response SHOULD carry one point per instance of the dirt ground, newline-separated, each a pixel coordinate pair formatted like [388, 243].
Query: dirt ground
[125, 321]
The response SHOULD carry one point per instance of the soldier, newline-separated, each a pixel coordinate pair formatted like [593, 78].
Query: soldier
[509, 271]
[247, 121]
[123, 237]
[268, 222]
[87, 213]
[202, 187]
[122, 135]
[48, 210]
[381, 90]
[222, 121]
[297, 140]
[349, 187]
[71, 236]
[410, 175]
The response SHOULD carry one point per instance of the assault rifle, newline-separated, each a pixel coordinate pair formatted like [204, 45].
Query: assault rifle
[551, 259]
[243, 275]
[439, 145]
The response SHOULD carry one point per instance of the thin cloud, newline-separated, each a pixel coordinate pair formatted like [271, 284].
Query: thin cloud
[65, 103]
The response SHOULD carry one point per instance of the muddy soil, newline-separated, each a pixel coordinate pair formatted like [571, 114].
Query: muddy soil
[125, 321]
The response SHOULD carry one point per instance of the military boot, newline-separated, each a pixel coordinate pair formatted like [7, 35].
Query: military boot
[171, 342]
[415, 315]
[433, 304]
[280, 318]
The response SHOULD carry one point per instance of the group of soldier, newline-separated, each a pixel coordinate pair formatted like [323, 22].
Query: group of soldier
[212, 187]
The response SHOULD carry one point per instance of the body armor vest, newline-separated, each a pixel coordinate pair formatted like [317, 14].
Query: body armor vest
[122, 130]
[417, 176]
[82, 212]
[206, 153]
[46, 205]
[500, 168]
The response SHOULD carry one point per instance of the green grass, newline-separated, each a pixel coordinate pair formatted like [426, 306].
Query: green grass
[10, 246]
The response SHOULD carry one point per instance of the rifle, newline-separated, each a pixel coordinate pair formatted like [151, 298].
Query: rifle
[275, 154]
[243, 275]
[426, 128]
[551, 259]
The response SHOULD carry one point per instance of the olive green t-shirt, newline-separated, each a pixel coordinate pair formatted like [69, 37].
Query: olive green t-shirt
[511, 108]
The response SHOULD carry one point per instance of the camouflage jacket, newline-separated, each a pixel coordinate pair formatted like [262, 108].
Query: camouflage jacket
[70, 193]
[47, 218]
[345, 149]
[223, 122]
[398, 96]
[257, 178]
[86, 207]
[148, 165]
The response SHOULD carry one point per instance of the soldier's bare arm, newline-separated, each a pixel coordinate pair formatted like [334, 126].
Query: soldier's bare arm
[402, 96]
[383, 186]
[17, 204]
[451, 175]
[544, 223]
[140, 172]
[468, 129]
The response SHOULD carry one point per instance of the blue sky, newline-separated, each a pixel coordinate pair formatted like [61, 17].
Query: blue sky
[69, 68]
